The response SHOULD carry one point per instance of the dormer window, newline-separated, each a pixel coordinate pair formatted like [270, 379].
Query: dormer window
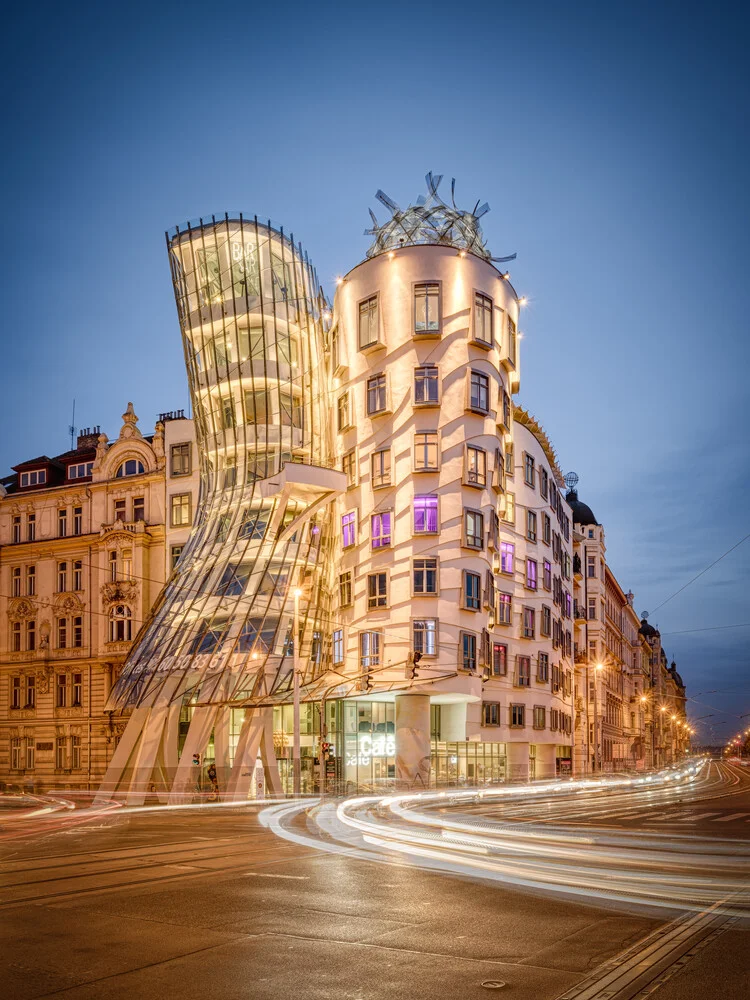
[36, 478]
[82, 471]
[133, 467]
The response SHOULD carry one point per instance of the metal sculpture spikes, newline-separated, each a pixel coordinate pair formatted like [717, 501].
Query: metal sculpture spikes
[431, 221]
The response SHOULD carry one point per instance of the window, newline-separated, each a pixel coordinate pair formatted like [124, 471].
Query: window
[369, 650]
[62, 522]
[540, 717]
[426, 451]
[376, 394]
[30, 527]
[80, 471]
[499, 659]
[62, 577]
[253, 523]
[62, 633]
[544, 483]
[257, 407]
[77, 632]
[344, 412]
[479, 392]
[349, 468]
[472, 591]
[490, 713]
[30, 691]
[368, 322]
[75, 752]
[15, 753]
[180, 507]
[546, 627]
[113, 574]
[528, 470]
[425, 514]
[517, 716]
[348, 529]
[174, 555]
[483, 319]
[30, 635]
[529, 623]
[77, 574]
[468, 651]
[338, 647]
[180, 459]
[120, 622]
[531, 525]
[60, 753]
[523, 671]
[77, 690]
[377, 591]
[531, 574]
[15, 638]
[61, 688]
[15, 582]
[380, 530]
[78, 520]
[380, 468]
[133, 467]
[424, 636]
[590, 566]
[345, 589]
[227, 417]
[30, 581]
[509, 514]
[546, 529]
[507, 557]
[426, 385]
[504, 609]
[17, 529]
[473, 529]
[36, 478]
[30, 756]
[139, 509]
[476, 466]
[512, 346]
[547, 574]
[120, 511]
[425, 576]
[542, 667]
[15, 693]
[427, 308]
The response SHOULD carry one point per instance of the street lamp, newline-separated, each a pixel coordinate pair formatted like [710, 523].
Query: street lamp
[296, 764]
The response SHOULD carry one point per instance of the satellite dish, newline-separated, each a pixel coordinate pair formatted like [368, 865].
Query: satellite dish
[571, 480]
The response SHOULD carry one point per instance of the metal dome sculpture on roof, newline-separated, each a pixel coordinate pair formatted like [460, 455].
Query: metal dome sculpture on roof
[431, 222]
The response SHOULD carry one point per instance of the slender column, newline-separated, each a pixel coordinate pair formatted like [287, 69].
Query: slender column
[517, 755]
[413, 741]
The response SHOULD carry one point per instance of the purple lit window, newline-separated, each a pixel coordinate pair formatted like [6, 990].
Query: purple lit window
[425, 514]
[348, 529]
[380, 530]
[531, 574]
[507, 554]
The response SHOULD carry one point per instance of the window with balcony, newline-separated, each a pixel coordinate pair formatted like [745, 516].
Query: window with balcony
[476, 466]
[368, 323]
[120, 624]
[380, 530]
[482, 319]
[425, 514]
[424, 636]
[426, 455]
[425, 576]
[380, 468]
[427, 308]
[426, 386]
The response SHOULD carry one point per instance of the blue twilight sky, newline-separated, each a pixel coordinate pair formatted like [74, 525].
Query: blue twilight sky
[609, 138]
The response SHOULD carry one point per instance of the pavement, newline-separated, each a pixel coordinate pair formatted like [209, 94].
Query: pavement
[208, 903]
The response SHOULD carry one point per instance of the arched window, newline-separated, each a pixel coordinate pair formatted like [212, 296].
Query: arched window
[133, 467]
[120, 624]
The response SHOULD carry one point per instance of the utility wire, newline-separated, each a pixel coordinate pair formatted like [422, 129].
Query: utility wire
[708, 628]
[735, 546]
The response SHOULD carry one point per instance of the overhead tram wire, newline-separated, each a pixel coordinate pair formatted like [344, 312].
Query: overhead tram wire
[710, 566]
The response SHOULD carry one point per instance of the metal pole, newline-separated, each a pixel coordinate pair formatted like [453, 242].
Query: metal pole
[296, 768]
[597, 754]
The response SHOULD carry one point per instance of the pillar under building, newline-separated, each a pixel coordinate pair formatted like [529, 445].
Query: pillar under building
[413, 741]
[517, 755]
[546, 760]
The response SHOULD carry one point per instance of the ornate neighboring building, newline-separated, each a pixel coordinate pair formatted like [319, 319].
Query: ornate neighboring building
[83, 556]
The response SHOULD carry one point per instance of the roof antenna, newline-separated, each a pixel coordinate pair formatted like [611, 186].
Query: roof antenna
[71, 428]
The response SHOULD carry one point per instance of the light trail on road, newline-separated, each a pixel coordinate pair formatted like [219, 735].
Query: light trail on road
[660, 870]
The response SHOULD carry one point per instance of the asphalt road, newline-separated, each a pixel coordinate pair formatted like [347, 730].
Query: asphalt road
[208, 903]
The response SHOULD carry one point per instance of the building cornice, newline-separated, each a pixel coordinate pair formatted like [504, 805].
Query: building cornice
[532, 424]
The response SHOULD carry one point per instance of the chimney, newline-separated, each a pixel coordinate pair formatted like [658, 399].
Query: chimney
[87, 437]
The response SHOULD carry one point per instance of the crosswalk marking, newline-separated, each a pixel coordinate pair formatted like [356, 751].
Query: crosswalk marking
[692, 819]
[725, 819]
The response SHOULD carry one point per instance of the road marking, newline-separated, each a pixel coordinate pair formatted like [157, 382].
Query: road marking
[297, 878]
[725, 819]
[692, 819]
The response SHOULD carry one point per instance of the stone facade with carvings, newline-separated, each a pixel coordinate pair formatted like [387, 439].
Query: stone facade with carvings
[84, 550]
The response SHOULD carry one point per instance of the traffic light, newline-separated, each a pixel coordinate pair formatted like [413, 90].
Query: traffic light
[415, 658]
[197, 759]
